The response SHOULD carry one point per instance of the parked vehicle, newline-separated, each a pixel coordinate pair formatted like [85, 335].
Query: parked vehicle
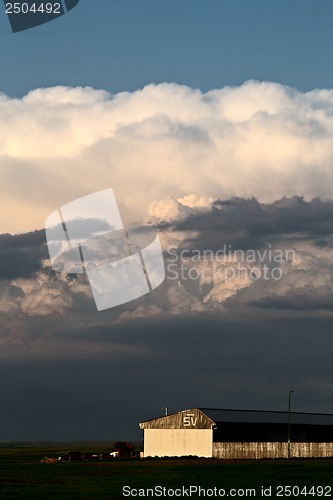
[71, 456]
[123, 449]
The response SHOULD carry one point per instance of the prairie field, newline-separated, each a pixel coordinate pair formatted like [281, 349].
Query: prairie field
[23, 475]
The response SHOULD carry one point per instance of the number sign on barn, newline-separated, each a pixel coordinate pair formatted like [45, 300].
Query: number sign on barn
[190, 420]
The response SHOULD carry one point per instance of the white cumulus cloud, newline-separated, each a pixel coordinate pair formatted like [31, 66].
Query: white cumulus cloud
[259, 139]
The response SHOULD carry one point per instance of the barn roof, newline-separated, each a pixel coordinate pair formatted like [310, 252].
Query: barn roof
[184, 419]
[207, 418]
[267, 417]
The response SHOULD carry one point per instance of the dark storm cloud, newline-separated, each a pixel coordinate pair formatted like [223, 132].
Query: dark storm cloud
[309, 298]
[21, 255]
[246, 223]
[241, 223]
[183, 362]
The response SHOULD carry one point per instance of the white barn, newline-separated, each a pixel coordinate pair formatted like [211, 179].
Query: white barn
[188, 432]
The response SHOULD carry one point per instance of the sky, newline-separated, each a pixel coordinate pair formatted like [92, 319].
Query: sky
[125, 45]
[212, 123]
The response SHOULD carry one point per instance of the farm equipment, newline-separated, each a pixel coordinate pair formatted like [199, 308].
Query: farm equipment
[123, 449]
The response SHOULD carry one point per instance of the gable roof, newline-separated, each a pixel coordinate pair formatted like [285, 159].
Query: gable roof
[267, 417]
[192, 418]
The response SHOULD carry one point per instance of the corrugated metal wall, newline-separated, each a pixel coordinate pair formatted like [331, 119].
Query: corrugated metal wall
[272, 450]
[178, 442]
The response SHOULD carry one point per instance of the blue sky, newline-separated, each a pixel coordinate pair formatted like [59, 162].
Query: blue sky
[123, 45]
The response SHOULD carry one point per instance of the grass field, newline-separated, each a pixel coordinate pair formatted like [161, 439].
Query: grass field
[22, 475]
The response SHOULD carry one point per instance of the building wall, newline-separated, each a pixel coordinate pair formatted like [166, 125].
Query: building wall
[178, 442]
[272, 450]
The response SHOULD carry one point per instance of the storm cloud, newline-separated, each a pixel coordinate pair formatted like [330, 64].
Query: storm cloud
[236, 181]
[232, 252]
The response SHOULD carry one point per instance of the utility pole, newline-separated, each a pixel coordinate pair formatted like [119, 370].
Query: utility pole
[289, 423]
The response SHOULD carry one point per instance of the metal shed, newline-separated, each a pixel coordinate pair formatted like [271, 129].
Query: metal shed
[220, 433]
